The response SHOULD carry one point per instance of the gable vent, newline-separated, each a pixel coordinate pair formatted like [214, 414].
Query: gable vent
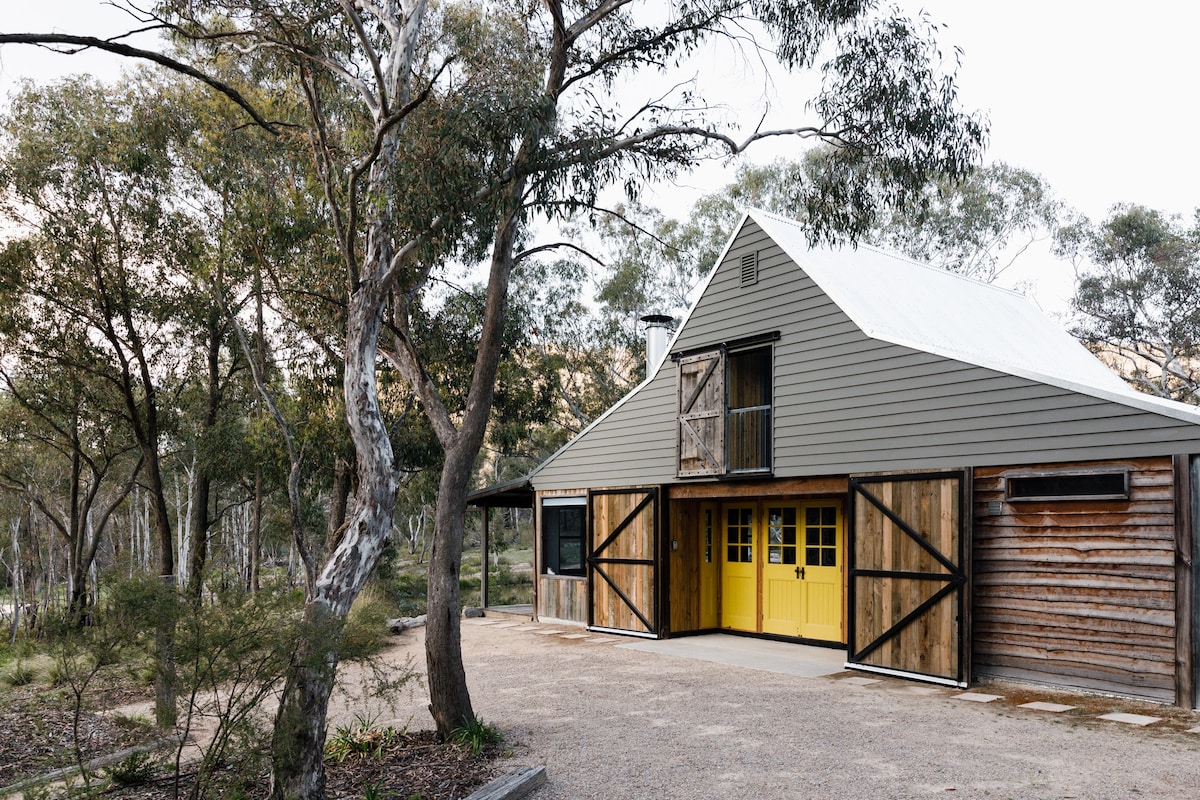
[750, 269]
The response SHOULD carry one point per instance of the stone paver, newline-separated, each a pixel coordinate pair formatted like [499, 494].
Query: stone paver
[977, 697]
[1053, 708]
[860, 681]
[1131, 719]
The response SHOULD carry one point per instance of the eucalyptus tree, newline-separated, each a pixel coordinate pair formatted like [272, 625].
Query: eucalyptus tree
[441, 132]
[87, 175]
[66, 453]
[977, 225]
[477, 123]
[1137, 296]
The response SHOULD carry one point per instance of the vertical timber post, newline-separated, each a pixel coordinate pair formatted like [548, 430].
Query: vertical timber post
[1185, 607]
[483, 563]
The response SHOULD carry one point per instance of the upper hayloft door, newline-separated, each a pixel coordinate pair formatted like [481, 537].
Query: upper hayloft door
[700, 427]
[624, 562]
[908, 556]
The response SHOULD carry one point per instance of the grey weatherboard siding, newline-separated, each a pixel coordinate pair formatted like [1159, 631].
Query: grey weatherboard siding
[847, 403]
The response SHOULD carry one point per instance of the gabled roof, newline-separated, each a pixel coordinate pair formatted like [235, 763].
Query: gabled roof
[897, 300]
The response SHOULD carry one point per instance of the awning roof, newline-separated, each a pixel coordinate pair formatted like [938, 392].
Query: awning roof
[516, 493]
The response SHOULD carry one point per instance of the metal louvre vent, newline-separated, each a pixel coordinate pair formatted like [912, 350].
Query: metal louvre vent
[750, 269]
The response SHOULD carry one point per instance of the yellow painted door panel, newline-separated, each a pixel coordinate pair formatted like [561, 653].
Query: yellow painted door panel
[739, 569]
[821, 565]
[783, 586]
[710, 556]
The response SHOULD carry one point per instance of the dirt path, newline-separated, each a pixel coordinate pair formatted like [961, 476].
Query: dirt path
[612, 722]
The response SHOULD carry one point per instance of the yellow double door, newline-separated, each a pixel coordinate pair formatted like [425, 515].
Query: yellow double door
[781, 569]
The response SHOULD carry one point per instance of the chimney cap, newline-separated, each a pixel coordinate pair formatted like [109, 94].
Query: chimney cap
[658, 319]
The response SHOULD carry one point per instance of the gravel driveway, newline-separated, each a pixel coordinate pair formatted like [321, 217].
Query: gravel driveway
[609, 721]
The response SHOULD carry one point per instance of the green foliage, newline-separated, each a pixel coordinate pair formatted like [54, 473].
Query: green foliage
[976, 225]
[20, 674]
[408, 591]
[475, 735]
[136, 769]
[361, 739]
[1138, 296]
[365, 632]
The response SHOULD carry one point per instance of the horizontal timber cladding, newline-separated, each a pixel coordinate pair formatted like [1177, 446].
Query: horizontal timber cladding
[1078, 592]
[562, 598]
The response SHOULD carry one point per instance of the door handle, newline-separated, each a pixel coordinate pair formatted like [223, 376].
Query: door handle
[800, 572]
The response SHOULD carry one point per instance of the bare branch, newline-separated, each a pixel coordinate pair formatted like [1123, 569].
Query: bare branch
[108, 45]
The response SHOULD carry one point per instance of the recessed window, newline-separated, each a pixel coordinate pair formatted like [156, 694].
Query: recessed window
[749, 426]
[563, 532]
[1107, 485]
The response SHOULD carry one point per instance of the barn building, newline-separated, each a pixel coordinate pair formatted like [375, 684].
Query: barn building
[844, 447]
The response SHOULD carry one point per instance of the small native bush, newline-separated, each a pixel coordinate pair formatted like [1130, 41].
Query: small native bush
[475, 735]
[365, 632]
[21, 674]
[134, 770]
[362, 739]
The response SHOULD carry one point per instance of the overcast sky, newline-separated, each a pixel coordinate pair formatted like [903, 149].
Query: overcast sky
[1096, 96]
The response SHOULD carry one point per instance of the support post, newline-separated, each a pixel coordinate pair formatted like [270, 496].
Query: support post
[1185, 667]
[483, 572]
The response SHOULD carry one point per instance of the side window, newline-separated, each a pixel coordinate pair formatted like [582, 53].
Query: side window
[563, 532]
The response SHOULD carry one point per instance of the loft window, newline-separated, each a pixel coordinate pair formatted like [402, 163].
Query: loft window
[563, 533]
[749, 425]
[1100, 485]
[725, 409]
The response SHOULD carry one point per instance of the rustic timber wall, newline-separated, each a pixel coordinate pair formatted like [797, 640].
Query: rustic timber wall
[684, 568]
[1078, 593]
[623, 556]
[562, 598]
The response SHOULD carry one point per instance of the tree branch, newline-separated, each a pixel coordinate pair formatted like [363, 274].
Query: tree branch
[86, 42]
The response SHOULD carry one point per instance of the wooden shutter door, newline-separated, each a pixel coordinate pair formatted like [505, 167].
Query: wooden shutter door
[623, 566]
[908, 551]
[700, 431]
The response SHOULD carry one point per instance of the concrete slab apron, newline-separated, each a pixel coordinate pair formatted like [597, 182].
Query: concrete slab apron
[741, 651]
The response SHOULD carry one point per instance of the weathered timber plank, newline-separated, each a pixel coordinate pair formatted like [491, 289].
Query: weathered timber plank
[1109, 654]
[1151, 639]
[795, 487]
[1094, 681]
[1135, 674]
[513, 786]
[1006, 615]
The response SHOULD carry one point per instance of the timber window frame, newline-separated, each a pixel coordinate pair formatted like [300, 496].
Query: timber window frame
[749, 408]
[564, 537]
[1066, 485]
[725, 408]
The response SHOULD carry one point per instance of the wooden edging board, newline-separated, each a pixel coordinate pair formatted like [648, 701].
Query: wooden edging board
[512, 786]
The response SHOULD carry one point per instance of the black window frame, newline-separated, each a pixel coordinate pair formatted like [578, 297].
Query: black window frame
[1045, 486]
[554, 511]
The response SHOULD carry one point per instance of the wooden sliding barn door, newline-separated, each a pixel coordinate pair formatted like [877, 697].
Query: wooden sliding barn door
[623, 565]
[908, 557]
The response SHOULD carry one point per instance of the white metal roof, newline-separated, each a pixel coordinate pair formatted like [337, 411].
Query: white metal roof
[897, 300]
